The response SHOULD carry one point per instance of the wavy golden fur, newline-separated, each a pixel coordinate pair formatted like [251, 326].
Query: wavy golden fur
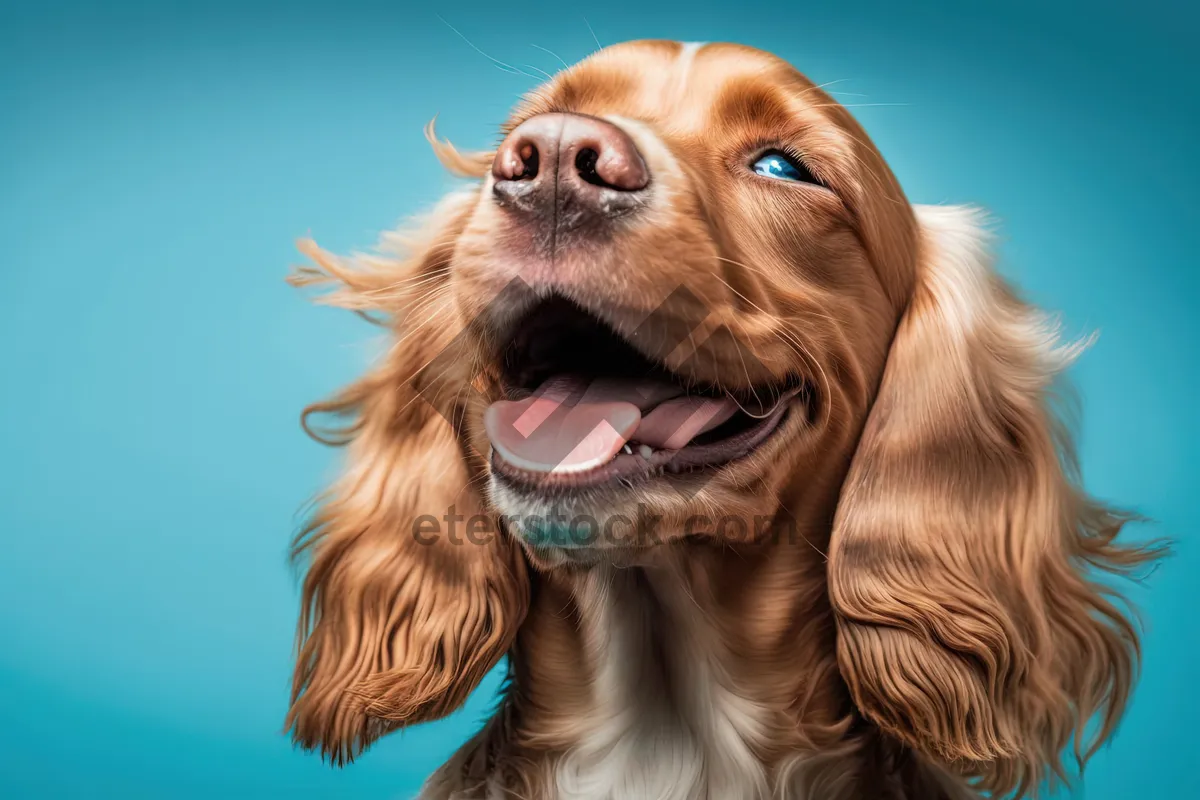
[935, 630]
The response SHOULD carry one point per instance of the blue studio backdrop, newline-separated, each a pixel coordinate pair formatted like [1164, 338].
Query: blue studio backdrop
[159, 159]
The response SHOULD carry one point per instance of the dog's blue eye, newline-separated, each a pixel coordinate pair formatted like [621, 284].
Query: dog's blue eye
[781, 167]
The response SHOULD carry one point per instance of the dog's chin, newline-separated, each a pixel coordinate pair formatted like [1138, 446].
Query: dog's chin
[601, 525]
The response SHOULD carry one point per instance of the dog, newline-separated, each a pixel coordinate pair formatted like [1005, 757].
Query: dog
[755, 471]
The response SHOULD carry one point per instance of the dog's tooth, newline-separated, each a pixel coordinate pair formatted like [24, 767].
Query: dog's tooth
[645, 451]
[627, 449]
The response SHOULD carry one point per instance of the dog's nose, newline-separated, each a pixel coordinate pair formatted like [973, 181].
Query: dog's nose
[554, 161]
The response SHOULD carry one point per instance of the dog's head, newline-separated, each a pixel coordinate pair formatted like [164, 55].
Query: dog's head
[699, 262]
[688, 289]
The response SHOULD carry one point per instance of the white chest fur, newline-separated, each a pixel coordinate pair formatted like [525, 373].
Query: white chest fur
[668, 725]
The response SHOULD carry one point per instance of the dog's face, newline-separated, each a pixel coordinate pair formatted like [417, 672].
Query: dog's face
[688, 290]
[678, 266]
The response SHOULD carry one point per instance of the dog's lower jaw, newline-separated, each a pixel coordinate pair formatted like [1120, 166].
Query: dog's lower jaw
[629, 683]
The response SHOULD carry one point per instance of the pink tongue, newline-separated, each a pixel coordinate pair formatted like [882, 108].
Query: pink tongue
[569, 425]
[676, 422]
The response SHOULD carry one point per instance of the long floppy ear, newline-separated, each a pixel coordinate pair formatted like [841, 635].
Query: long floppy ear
[402, 615]
[968, 625]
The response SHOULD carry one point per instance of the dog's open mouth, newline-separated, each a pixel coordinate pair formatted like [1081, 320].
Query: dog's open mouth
[585, 408]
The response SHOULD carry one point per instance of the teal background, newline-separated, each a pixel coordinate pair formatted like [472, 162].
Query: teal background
[157, 161]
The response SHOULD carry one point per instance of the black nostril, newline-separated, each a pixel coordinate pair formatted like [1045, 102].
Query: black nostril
[585, 163]
[529, 157]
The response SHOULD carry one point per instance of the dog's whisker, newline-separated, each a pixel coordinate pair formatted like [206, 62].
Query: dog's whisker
[551, 52]
[595, 38]
[813, 362]
[541, 72]
[504, 67]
